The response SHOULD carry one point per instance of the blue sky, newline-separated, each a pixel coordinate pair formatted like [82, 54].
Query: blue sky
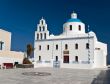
[22, 16]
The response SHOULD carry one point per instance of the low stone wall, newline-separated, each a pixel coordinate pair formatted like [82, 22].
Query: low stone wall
[25, 66]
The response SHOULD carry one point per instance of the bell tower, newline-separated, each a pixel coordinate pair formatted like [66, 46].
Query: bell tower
[42, 32]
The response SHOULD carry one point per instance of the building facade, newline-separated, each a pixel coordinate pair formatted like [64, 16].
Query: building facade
[6, 55]
[74, 48]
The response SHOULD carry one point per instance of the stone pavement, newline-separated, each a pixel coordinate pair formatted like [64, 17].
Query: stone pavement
[49, 76]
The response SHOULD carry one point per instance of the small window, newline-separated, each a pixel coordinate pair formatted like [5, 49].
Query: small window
[79, 28]
[40, 28]
[56, 47]
[44, 35]
[66, 46]
[37, 36]
[39, 58]
[76, 46]
[39, 47]
[65, 52]
[87, 45]
[41, 35]
[76, 58]
[70, 27]
[47, 47]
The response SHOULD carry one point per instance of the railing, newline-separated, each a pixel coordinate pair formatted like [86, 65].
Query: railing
[47, 61]
[39, 61]
[57, 63]
[85, 62]
[43, 61]
[75, 62]
[80, 62]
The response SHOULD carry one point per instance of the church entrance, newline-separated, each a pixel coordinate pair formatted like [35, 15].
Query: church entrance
[66, 59]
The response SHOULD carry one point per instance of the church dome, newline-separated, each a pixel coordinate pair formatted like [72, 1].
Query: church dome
[74, 20]
[74, 25]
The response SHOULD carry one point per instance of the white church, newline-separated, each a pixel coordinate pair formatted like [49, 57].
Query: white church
[74, 48]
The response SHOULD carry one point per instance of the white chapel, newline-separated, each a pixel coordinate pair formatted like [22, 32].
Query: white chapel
[74, 48]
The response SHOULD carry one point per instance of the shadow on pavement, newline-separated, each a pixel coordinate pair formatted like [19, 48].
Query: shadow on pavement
[102, 78]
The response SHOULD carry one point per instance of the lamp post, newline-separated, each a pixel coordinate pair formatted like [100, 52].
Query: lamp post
[88, 45]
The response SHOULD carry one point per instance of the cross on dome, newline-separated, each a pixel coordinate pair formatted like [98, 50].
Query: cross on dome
[74, 15]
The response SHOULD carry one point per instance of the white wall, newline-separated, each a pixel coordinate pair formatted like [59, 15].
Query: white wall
[99, 59]
[5, 37]
[100, 55]
[48, 55]
[11, 57]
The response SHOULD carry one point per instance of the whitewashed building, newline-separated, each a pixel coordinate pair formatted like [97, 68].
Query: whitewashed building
[6, 55]
[74, 48]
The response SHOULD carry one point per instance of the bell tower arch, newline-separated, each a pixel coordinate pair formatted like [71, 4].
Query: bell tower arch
[42, 32]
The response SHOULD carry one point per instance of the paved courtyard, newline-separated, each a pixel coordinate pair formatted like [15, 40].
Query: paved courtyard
[50, 76]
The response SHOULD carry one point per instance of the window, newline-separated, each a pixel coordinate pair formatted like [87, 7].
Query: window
[39, 58]
[1, 45]
[76, 58]
[39, 47]
[47, 47]
[43, 28]
[56, 47]
[41, 35]
[42, 21]
[66, 46]
[40, 28]
[76, 46]
[65, 52]
[79, 27]
[70, 27]
[56, 59]
[44, 35]
[97, 48]
[87, 45]
[37, 36]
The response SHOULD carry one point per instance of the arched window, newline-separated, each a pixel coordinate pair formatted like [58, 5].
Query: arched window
[87, 45]
[56, 47]
[39, 47]
[43, 28]
[56, 58]
[66, 46]
[76, 46]
[37, 36]
[42, 21]
[44, 35]
[40, 28]
[76, 58]
[39, 58]
[1, 45]
[47, 47]
[41, 35]
[79, 27]
[70, 27]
